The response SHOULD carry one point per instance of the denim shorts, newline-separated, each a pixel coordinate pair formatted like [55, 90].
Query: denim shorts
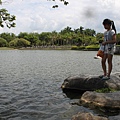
[109, 50]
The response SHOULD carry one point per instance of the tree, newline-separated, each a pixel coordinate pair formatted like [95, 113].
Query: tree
[118, 38]
[38, 43]
[99, 37]
[8, 36]
[6, 19]
[54, 35]
[45, 38]
[32, 38]
[19, 43]
[56, 5]
[23, 35]
[66, 30]
[81, 29]
[89, 32]
[3, 42]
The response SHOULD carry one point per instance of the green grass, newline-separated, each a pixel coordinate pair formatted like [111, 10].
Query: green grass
[89, 47]
[92, 47]
[105, 90]
[74, 48]
[6, 48]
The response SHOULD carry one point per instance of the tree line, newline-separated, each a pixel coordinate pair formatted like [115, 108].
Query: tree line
[67, 36]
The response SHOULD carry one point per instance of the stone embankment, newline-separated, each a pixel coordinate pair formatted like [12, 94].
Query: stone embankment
[89, 85]
[117, 50]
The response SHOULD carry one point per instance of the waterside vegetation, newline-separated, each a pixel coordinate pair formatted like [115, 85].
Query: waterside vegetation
[77, 39]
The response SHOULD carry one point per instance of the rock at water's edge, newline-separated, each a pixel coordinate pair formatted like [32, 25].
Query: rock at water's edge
[90, 116]
[117, 50]
[87, 116]
[114, 117]
[91, 83]
[105, 100]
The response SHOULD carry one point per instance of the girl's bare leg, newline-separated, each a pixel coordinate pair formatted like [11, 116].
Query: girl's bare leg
[103, 62]
[109, 64]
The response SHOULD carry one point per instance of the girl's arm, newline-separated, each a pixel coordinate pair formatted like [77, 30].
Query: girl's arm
[111, 41]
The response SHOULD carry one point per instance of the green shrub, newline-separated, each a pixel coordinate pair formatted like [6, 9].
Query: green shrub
[92, 47]
[19, 43]
[81, 47]
[89, 47]
[78, 48]
[74, 48]
[105, 90]
[3, 42]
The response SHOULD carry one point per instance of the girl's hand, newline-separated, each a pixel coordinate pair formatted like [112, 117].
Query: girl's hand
[104, 43]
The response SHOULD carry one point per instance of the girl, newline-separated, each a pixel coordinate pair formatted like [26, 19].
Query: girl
[109, 41]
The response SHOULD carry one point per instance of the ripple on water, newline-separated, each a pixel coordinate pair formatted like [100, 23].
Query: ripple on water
[30, 83]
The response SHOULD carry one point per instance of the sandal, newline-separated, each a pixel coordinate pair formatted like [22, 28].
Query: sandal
[105, 78]
[101, 76]
[97, 57]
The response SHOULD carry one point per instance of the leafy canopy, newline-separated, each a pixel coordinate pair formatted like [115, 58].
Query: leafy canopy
[64, 2]
[6, 18]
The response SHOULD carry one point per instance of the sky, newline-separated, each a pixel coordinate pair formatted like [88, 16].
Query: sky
[39, 16]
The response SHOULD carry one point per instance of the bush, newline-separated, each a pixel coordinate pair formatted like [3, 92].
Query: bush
[105, 90]
[74, 48]
[78, 48]
[3, 42]
[81, 47]
[92, 47]
[89, 47]
[19, 43]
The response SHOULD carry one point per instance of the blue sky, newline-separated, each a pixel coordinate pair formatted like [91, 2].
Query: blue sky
[39, 16]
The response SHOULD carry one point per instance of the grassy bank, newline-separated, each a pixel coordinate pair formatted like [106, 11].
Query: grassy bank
[6, 48]
[47, 48]
[89, 47]
[65, 47]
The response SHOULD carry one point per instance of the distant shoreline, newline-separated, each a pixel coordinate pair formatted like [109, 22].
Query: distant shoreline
[6, 48]
[38, 48]
[89, 48]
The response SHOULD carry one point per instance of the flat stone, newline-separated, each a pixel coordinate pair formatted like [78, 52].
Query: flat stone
[117, 50]
[87, 116]
[91, 83]
[105, 100]
[109, 102]
[114, 117]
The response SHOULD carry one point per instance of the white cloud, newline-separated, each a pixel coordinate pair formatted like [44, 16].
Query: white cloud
[39, 16]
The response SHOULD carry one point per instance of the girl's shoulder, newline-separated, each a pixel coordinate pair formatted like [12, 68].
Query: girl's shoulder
[112, 32]
[105, 32]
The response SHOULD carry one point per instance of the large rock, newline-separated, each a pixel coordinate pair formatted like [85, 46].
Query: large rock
[87, 116]
[91, 83]
[90, 116]
[117, 50]
[110, 101]
[114, 117]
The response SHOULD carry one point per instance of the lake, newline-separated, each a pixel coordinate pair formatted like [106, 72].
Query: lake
[30, 82]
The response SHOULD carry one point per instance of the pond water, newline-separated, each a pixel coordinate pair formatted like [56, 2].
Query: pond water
[30, 82]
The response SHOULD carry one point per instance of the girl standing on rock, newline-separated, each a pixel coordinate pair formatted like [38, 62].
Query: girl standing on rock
[108, 43]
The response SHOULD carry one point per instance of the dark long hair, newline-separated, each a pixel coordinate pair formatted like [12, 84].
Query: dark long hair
[110, 22]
